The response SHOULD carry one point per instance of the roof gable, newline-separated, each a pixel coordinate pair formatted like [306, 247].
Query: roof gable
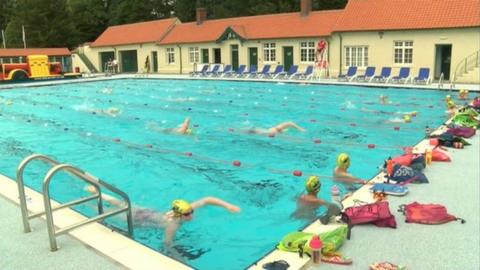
[135, 33]
[287, 25]
[30, 51]
[365, 15]
[232, 32]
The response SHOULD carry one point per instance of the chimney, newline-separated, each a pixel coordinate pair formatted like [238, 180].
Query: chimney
[201, 15]
[305, 7]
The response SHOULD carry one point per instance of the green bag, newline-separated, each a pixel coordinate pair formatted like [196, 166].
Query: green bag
[466, 120]
[299, 241]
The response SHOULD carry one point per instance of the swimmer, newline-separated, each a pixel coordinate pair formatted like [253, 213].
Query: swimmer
[451, 108]
[275, 129]
[107, 91]
[383, 99]
[112, 111]
[181, 211]
[405, 119]
[182, 129]
[340, 173]
[463, 94]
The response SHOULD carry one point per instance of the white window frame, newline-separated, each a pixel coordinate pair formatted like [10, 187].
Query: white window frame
[269, 52]
[403, 52]
[194, 55]
[307, 51]
[170, 56]
[356, 56]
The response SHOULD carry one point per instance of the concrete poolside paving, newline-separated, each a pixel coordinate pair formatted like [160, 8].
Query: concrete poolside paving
[450, 246]
[19, 251]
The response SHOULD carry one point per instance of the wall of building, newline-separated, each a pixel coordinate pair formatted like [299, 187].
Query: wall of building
[226, 58]
[380, 44]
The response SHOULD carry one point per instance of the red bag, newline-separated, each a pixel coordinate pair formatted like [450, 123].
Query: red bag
[427, 213]
[377, 213]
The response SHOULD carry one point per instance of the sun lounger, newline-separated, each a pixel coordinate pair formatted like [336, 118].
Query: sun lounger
[265, 71]
[226, 69]
[351, 72]
[252, 71]
[240, 70]
[213, 72]
[291, 71]
[369, 73]
[308, 74]
[423, 76]
[277, 70]
[384, 75]
[403, 76]
[202, 72]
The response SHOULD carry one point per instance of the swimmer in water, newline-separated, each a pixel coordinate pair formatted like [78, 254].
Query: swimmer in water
[383, 99]
[181, 211]
[275, 129]
[340, 173]
[182, 129]
[308, 203]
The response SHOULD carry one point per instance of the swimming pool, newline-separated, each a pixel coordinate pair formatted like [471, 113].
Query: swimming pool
[155, 168]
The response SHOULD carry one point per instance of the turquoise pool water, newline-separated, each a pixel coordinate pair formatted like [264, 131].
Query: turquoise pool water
[152, 167]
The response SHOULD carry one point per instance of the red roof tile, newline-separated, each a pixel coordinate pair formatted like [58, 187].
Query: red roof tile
[30, 51]
[287, 25]
[364, 15]
[135, 33]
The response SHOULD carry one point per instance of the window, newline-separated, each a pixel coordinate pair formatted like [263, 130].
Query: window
[194, 55]
[170, 55]
[307, 51]
[356, 56]
[403, 52]
[269, 52]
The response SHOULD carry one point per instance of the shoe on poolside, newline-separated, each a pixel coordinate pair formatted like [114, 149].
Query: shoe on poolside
[386, 266]
[336, 259]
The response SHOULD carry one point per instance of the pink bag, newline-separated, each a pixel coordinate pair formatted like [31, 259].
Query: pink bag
[427, 213]
[377, 213]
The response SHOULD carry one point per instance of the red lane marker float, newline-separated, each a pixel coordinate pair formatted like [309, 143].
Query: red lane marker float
[297, 173]
[353, 124]
[116, 140]
[189, 154]
[317, 141]
[396, 128]
[236, 163]
[371, 145]
[149, 146]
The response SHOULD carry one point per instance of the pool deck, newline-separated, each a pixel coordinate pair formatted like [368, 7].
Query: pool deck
[448, 246]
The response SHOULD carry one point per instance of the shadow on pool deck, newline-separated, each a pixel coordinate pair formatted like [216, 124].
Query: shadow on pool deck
[451, 246]
[21, 251]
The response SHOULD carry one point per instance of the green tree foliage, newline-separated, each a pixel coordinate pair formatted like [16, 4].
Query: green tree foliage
[5, 11]
[90, 18]
[130, 11]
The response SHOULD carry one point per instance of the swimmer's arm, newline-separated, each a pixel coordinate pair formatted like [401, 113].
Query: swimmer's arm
[110, 199]
[215, 201]
[170, 231]
[314, 200]
[349, 179]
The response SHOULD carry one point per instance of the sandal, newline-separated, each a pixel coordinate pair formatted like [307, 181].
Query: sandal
[386, 266]
[336, 259]
[276, 265]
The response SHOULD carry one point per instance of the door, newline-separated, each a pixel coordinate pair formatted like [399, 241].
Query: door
[443, 57]
[287, 57]
[217, 56]
[252, 56]
[234, 50]
[154, 62]
[128, 61]
[105, 57]
[205, 59]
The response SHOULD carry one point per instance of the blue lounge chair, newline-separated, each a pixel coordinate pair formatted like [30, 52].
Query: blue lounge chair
[291, 71]
[384, 75]
[351, 72]
[202, 72]
[213, 72]
[265, 71]
[423, 76]
[308, 74]
[226, 69]
[240, 70]
[252, 71]
[403, 76]
[369, 73]
[277, 70]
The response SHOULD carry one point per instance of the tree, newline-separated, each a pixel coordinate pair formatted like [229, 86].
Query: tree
[89, 18]
[131, 11]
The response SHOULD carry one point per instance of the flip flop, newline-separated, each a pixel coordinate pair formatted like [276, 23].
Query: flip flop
[386, 266]
[390, 189]
[336, 259]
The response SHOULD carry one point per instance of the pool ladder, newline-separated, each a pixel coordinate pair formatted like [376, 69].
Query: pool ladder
[79, 174]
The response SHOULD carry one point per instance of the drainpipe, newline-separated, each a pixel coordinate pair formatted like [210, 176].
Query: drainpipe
[181, 65]
[341, 60]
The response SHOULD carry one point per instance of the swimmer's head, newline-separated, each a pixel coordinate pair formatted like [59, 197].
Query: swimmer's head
[451, 104]
[407, 118]
[448, 98]
[113, 110]
[312, 184]
[343, 161]
[181, 208]
[189, 131]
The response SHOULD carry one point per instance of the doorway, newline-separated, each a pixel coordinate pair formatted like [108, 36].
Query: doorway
[217, 56]
[443, 57]
[155, 61]
[252, 56]
[234, 50]
[128, 61]
[205, 56]
[287, 57]
[105, 57]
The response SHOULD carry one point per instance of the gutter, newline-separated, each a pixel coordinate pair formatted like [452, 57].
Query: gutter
[341, 60]
[181, 62]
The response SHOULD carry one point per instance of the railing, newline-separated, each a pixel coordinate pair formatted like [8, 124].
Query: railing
[87, 62]
[79, 174]
[468, 63]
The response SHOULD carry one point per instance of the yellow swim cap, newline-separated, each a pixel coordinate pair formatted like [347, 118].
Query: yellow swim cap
[451, 104]
[343, 161]
[181, 207]
[189, 131]
[407, 118]
[448, 97]
[312, 184]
